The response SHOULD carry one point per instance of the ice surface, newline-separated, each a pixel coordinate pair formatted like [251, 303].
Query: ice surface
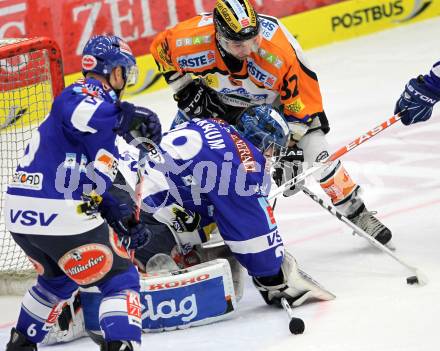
[399, 171]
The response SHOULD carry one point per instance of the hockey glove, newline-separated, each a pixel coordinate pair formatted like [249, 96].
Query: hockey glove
[198, 100]
[119, 216]
[289, 166]
[116, 214]
[137, 121]
[418, 100]
[139, 235]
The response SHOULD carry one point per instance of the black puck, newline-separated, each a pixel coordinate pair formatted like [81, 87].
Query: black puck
[296, 326]
[412, 280]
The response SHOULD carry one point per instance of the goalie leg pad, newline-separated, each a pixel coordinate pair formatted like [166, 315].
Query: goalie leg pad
[198, 295]
[195, 296]
[209, 252]
[296, 286]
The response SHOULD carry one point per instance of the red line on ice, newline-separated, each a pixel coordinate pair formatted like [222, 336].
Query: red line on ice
[7, 325]
[323, 233]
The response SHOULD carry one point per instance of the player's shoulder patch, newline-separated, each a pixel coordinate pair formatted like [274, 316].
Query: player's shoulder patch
[205, 19]
[192, 45]
[106, 163]
[269, 26]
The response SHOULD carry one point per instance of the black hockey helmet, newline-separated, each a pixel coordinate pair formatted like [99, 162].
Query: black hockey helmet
[236, 20]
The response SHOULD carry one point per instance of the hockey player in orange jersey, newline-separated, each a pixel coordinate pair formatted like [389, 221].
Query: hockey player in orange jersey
[220, 63]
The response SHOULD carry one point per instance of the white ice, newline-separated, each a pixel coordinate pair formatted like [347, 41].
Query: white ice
[399, 171]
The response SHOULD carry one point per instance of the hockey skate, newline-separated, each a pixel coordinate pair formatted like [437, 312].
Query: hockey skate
[18, 342]
[366, 220]
[296, 286]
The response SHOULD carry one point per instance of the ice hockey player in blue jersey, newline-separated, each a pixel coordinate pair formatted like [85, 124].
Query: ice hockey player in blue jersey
[221, 173]
[70, 158]
[205, 175]
[419, 97]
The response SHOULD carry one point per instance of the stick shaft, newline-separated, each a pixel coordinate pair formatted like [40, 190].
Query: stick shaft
[337, 154]
[363, 138]
[287, 307]
[358, 230]
[140, 182]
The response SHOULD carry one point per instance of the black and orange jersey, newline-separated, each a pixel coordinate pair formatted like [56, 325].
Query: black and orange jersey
[275, 71]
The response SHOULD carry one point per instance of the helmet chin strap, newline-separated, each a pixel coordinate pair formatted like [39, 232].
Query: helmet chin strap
[118, 91]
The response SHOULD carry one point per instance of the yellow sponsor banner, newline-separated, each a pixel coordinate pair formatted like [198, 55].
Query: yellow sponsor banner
[349, 19]
[23, 107]
[325, 25]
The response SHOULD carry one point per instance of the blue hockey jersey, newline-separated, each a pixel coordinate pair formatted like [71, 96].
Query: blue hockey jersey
[206, 167]
[72, 152]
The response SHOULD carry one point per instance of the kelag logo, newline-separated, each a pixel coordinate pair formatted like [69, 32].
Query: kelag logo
[377, 13]
[168, 308]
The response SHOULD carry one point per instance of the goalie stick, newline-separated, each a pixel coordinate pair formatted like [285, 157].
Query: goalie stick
[337, 154]
[419, 278]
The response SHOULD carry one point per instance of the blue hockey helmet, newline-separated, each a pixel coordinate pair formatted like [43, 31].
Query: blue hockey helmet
[102, 53]
[263, 126]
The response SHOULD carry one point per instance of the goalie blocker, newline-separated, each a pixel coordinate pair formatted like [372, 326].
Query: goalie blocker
[170, 300]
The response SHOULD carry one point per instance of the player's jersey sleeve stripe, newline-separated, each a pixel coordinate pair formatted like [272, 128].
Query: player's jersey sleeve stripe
[310, 73]
[302, 59]
[252, 246]
[82, 115]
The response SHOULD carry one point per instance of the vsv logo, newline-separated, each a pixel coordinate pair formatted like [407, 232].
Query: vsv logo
[274, 238]
[186, 309]
[30, 218]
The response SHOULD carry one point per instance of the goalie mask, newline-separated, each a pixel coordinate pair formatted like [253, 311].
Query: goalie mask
[103, 53]
[265, 128]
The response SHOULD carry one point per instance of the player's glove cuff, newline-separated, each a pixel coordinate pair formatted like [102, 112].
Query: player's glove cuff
[416, 102]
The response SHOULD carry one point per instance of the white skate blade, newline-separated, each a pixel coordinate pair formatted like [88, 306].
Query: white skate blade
[390, 245]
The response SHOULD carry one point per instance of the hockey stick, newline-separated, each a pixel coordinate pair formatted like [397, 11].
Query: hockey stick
[296, 325]
[15, 113]
[337, 154]
[419, 277]
[138, 193]
[140, 182]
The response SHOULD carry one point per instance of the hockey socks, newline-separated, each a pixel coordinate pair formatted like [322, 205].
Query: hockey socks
[41, 306]
[121, 300]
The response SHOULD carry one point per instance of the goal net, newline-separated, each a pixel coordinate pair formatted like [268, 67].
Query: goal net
[31, 75]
